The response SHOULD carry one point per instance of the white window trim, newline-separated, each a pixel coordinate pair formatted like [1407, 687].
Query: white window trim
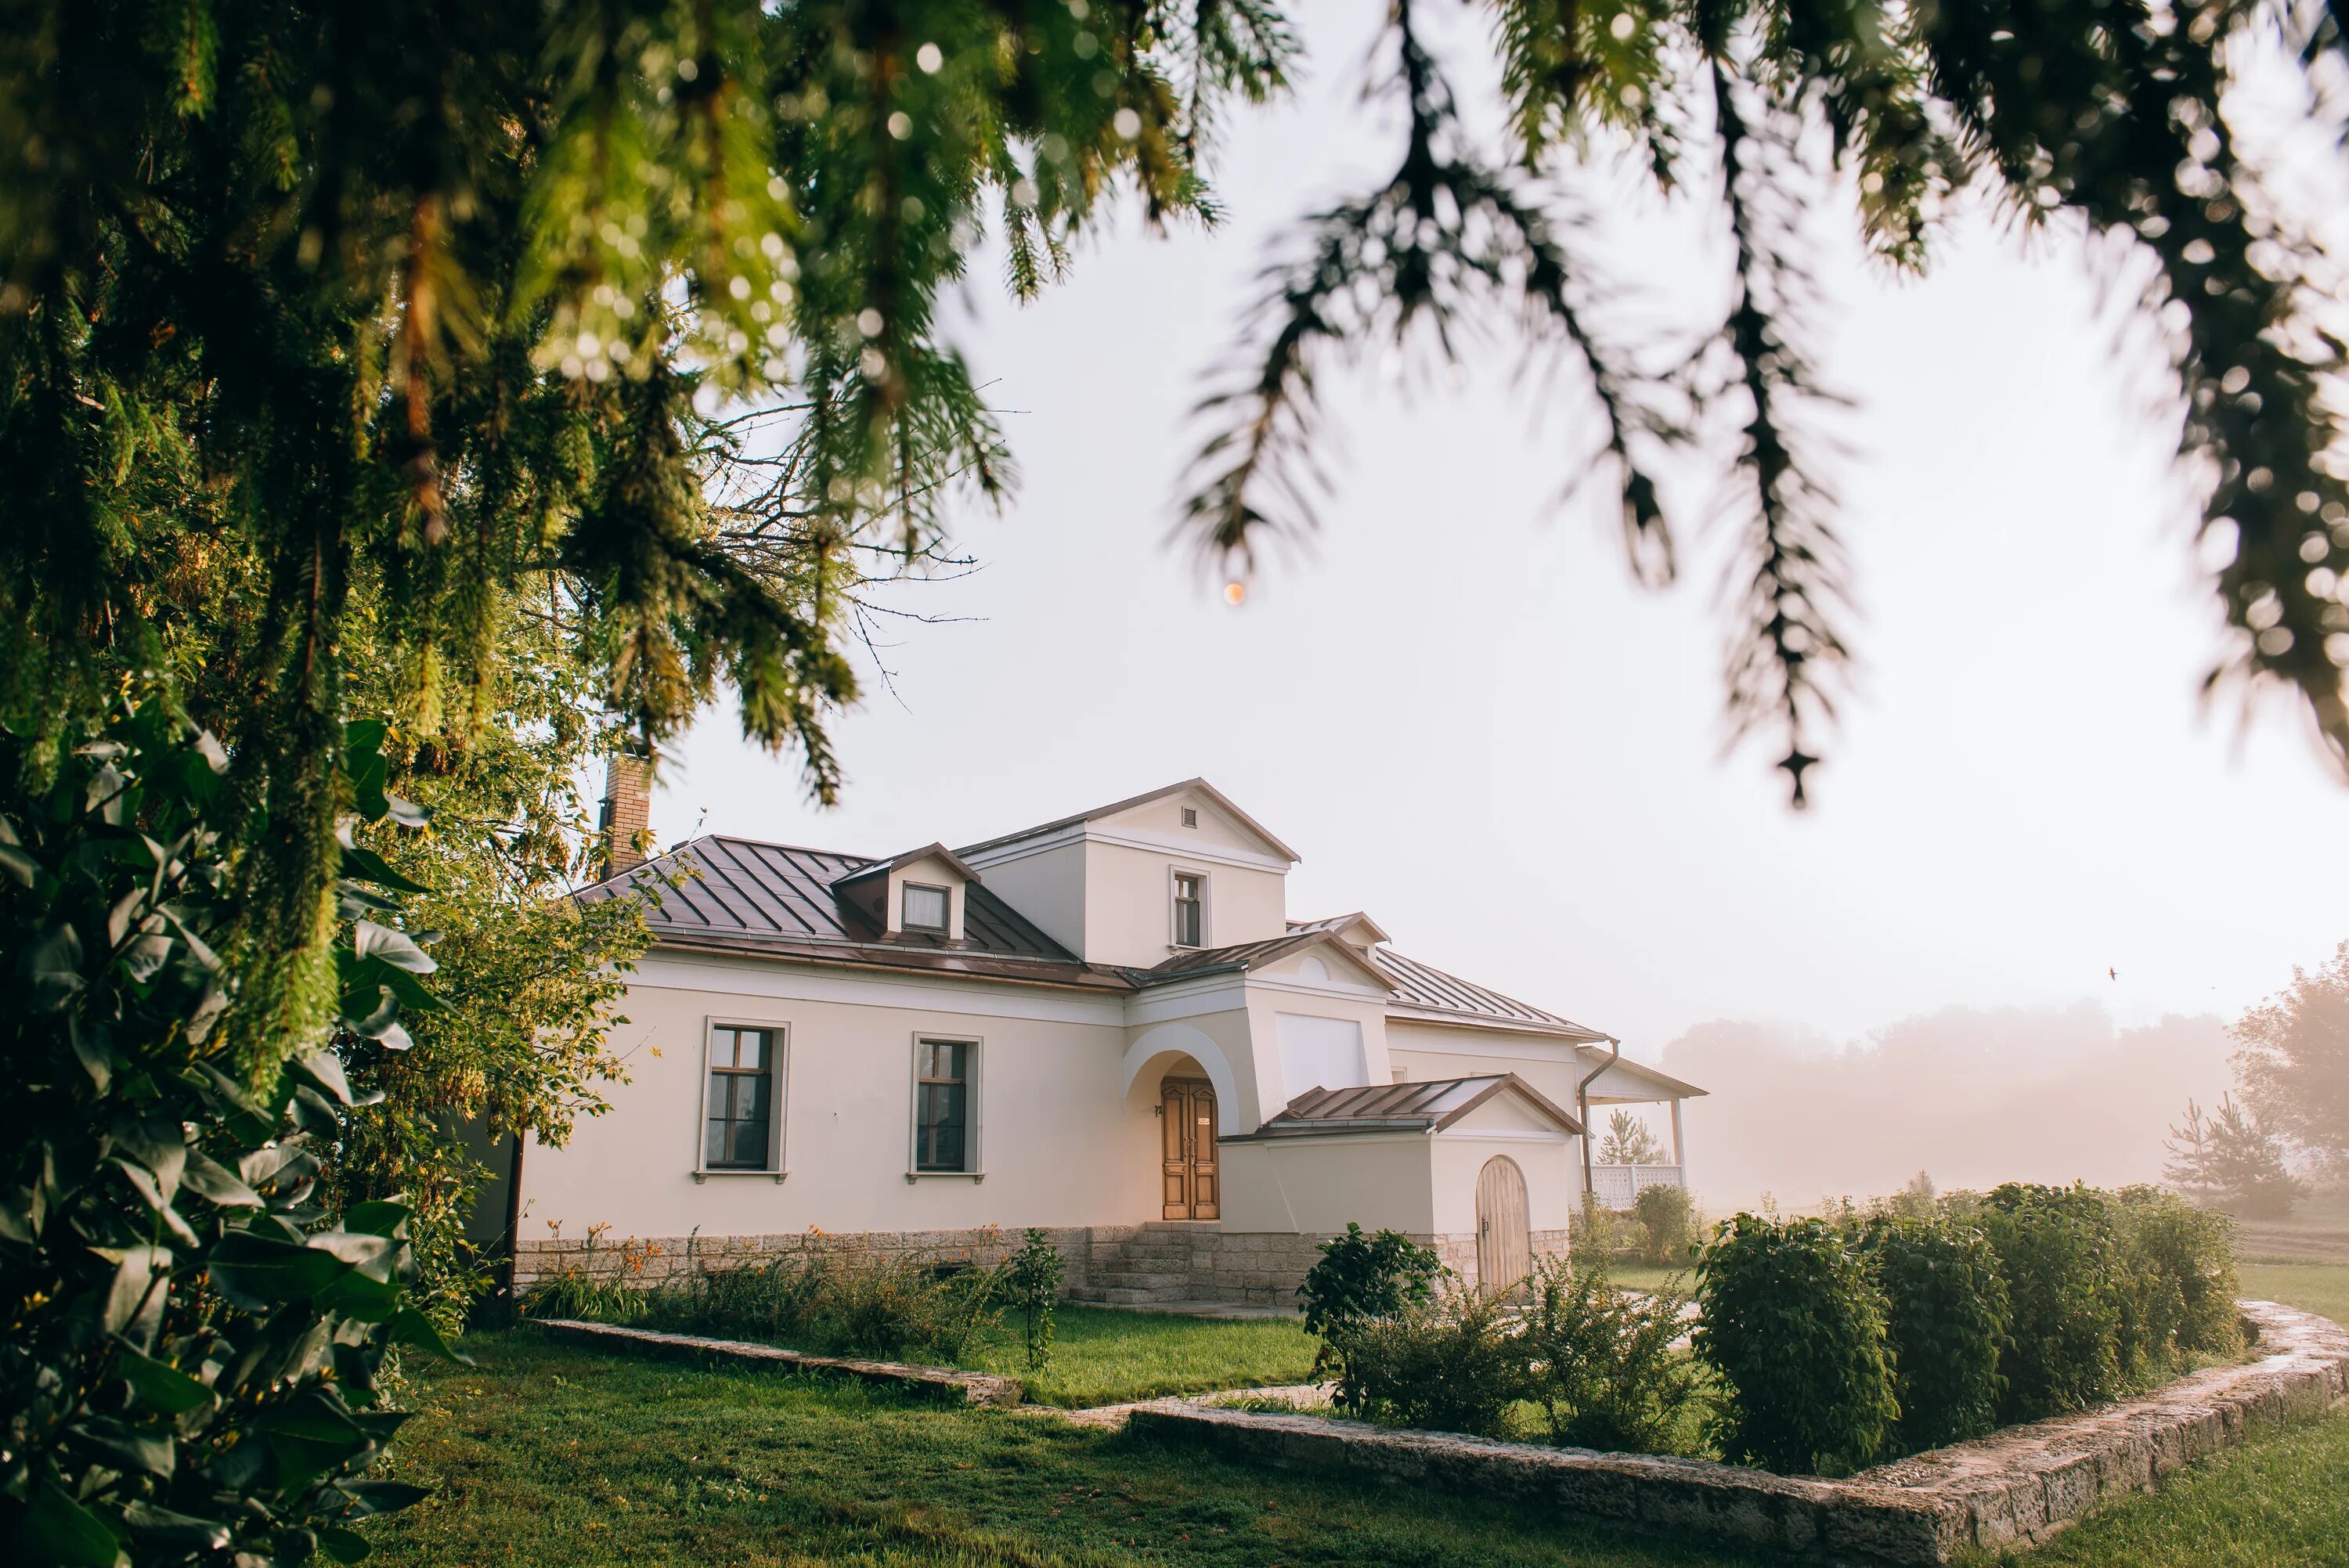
[1206, 910]
[975, 1136]
[946, 916]
[776, 1126]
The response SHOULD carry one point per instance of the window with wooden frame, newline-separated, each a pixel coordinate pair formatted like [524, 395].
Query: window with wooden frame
[946, 1103]
[741, 1108]
[924, 908]
[1190, 909]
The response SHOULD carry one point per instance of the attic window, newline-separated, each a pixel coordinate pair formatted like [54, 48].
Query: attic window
[1190, 815]
[1190, 889]
[925, 908]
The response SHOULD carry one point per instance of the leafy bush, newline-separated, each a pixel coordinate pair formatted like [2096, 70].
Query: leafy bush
[1359, 1277]
[191, 1362]
[1031, 1287]
[1946, 1322]
[2067, 1290]
[1599, 1361]
[1596, 1231]
[2182, 1263]
[1794, 1329]
[1667, 1216]
[1449, 1365]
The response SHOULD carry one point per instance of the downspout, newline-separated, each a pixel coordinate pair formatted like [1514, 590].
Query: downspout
[1582, 1108]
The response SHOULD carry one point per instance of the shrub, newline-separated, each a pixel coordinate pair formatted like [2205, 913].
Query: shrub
[1946, 1322]
[193, 1360]
[1599, 1361]
[2067, 1291]
[850, 1301]
[1361, 1276]
[1595, 1231]
[1794, 1329]
[1668, 1216]
[1032, 1287]
[2181, 1263]
[1449, 1365]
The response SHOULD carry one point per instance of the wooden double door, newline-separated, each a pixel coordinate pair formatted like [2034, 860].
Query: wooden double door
[1187, 1130]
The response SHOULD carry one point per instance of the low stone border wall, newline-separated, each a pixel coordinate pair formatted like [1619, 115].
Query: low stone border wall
[970, 1387]
[2014, 1488]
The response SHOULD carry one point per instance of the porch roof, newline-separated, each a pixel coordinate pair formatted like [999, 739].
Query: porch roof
[1430, 1106]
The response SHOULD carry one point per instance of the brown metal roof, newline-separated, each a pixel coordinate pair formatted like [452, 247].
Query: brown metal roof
[755, 897]
[1423, 988]
[1428, 1107]
[1223, 802]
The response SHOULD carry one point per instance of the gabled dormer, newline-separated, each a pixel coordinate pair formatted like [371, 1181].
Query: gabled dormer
[1140, 880]
[917, 896]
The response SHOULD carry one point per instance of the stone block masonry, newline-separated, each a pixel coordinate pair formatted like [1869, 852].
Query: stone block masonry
[2012, 1489]
[1156, 1264]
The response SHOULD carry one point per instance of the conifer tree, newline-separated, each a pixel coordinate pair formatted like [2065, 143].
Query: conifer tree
[619, 317]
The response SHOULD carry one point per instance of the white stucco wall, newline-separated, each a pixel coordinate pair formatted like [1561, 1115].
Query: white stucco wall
[1060, 1142]
[1426, 1051]
[1317, 1184]
[1046, 885]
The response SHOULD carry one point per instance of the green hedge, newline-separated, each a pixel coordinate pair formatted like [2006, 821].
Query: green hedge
[1794, 1327]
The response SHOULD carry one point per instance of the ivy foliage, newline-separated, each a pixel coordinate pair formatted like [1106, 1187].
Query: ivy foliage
[188, 1370]
[1794, 1329]
[2107, 118]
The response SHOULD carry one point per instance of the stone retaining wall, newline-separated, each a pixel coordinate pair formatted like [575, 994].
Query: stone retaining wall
[2014, 1488]
[967, 1388]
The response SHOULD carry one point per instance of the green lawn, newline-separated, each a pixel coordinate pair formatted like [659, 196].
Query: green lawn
[1102, 1357]
[548, 1454]
[2313, 1287]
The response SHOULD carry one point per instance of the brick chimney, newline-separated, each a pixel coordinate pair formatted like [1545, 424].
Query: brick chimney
[628, 807]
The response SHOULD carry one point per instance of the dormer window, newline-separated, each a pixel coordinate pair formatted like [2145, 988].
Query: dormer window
[924, 909]
[1190, 908]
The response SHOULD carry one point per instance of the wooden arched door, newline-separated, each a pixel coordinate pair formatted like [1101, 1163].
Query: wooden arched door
[1505, 1241]
[1186, 1134]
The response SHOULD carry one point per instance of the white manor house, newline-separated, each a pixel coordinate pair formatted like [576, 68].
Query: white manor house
[1109, 1026]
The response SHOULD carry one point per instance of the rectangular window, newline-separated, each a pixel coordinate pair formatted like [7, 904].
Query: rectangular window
[1190, 816]
[1189, 887]
[925, 908]
[942, 1075]
[739, 1130]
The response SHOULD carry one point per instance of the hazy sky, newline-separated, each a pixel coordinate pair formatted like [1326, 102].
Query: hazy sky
[1471, 724]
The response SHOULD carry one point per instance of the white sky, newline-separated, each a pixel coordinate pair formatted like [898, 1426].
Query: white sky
[1471, 724]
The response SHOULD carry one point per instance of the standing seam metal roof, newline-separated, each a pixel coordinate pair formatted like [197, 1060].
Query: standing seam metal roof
[750, 889]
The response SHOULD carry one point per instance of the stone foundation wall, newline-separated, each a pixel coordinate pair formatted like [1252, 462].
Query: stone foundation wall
[650, 1260]
[1129, 1265]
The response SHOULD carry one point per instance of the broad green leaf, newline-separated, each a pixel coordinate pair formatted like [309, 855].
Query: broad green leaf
[362, 864]
[372, 1256]
[383, 1496]
[127, 1447]
[259, 1270]
[309, 1436]
[378, 1216]
[324, 1071]
[395, 948]
[62, 1531]
[166, 1389]
[212, 1181]
[412, 1327]
[135, 1294]
[53, 967]
[180, 1533]
[342, 1545]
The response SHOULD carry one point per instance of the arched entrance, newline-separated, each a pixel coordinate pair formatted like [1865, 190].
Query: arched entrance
[1505, 1241]
[1187, 1131]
